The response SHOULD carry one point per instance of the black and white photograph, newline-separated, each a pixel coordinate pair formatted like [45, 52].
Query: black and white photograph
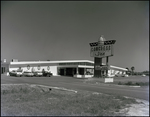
[74, 58]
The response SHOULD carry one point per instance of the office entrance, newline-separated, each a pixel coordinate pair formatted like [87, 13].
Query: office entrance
[66, 71]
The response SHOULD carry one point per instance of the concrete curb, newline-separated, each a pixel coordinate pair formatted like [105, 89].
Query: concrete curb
[134, 86]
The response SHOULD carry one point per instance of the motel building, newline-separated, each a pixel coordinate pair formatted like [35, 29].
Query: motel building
[74, 68]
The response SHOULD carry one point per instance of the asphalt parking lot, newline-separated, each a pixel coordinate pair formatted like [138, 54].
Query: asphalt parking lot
[78, 84]
[73, 79]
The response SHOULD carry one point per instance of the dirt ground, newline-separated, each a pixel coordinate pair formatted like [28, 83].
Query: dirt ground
[141, 109]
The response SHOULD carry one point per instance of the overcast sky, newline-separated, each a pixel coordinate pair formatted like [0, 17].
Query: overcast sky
[49, 30]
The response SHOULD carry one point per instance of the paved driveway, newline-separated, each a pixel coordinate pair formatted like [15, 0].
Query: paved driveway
[78, 84]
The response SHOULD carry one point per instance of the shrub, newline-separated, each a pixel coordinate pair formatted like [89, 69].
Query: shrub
[5, 92]
[12, 91]
[137, 83]
[119, 83]
[128, 83]
[143, 83]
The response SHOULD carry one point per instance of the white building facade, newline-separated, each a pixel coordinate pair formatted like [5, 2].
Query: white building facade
[75, 68]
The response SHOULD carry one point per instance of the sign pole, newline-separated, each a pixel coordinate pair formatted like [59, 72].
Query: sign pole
[97, 62]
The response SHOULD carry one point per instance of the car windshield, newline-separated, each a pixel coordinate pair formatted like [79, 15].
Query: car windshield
[27, 72]
[38, 72]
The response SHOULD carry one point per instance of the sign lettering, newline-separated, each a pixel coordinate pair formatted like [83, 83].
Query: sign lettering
[102, 51]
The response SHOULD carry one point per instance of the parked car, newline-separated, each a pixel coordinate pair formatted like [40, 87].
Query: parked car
[19, 73]
[119, 75]
[49, 74]
[122, 75]
[126, 75]
[37, 73]
[27, 73]
[12, 73]
[111, 75]
[15, 73]
[143, 75]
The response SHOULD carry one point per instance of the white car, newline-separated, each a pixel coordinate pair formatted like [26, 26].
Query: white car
[19, 73]
[15, 73]
[126, 75]
[111, 75]
[143, 75]
[27, 73]
[38, 73]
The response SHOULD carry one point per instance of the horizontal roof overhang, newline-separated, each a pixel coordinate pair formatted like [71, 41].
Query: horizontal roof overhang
[85, 66]
[46, 62]
[74, 66]
[118, 68]
[65, 61]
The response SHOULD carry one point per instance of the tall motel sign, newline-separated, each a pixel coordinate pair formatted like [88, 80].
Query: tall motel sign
[99, 50]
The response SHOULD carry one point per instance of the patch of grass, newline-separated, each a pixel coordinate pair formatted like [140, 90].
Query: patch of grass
[137, 83]
[27, 100]
[130, 83]
[142, 83]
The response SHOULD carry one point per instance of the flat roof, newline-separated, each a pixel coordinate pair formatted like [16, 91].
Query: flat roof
[37, 62]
